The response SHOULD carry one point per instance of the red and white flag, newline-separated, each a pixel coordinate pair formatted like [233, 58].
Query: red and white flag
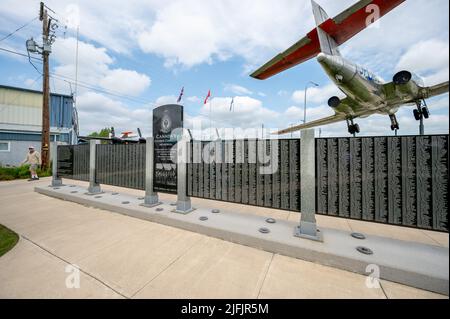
[207, 97]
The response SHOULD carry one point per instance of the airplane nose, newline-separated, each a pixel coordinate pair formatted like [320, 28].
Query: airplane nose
[330, 62]
[321, 57]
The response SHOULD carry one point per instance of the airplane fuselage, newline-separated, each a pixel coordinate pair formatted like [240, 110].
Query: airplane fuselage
[357, 83]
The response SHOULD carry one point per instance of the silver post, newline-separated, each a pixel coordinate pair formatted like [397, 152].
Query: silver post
[151, 198]
[306, 91]
[94, 188]
[184, 205]
[308, 225]
[56, 181]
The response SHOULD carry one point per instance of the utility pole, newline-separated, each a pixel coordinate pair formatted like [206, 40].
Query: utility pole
[45, 144]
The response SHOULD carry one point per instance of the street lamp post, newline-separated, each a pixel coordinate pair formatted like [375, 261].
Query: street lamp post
[306, 90]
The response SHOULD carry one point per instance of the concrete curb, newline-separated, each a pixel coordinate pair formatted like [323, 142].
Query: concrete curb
[413, 264]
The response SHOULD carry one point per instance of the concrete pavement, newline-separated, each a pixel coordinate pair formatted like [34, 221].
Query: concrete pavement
[122, 257]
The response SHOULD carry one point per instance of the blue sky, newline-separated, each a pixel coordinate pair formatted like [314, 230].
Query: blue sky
[139, 54]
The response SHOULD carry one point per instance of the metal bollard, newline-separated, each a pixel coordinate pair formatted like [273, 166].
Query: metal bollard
[56, 181]
[151, 197]
[308, 225]
[184, 205]
[94, 188]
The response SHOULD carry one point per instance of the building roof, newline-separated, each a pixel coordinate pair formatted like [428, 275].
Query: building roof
[31, 91]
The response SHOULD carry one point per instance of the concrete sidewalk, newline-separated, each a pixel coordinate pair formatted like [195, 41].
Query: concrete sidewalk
[122, 257]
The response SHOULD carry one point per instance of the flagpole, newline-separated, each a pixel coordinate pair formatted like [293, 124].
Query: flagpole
[210, 118]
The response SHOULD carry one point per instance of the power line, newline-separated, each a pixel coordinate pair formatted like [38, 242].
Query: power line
[18, 29]
[124, 97]
[100, 89]
[20, 54]
[80, 83]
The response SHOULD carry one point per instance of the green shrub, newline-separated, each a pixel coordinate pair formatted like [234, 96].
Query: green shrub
[21, 172]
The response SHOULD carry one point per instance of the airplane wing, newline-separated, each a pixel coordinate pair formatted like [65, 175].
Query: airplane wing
[341, 28]
[95, 138]
[424, 93]
[436, 90]
[338, 117]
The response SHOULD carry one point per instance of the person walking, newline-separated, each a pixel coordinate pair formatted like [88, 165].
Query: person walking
[34, 159]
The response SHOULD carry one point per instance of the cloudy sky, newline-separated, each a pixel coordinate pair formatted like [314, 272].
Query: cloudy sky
[138, 54]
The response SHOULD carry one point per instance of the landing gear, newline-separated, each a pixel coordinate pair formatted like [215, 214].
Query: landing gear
[352, 127]
[394, 123]
[422, 112]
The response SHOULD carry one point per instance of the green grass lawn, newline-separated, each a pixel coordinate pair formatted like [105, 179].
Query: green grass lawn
[8, 239]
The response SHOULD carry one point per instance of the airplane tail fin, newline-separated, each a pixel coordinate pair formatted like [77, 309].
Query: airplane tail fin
[327, 44]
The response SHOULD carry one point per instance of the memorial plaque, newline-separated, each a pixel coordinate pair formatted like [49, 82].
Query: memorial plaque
[65, 161]
[424, 182]
[252, 172]
[225, 172]
[259, 176]
[201, 186]
[294, 169]
[206, 173]
[190, 171]
[381, 180]
[284, 171]
[355, 178]
[440, 163]
[267, 177]
[218, 164]
[245, 180]
[81, 155]
[197, 158]
[212, 172]
[167, 131]
[333, 177]
[344, 177]
[395, 181]
[367, 162]
[239, 146]
[276, 178]
[231, 171]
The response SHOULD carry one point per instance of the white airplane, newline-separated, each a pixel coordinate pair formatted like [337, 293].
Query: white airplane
[366, 93]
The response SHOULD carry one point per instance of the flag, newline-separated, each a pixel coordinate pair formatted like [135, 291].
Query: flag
[232, 105]
[181, 95]
[207, 97]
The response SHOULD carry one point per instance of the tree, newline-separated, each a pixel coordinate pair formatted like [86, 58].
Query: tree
[103, 133]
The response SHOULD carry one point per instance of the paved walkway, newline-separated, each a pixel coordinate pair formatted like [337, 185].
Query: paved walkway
[122, 257]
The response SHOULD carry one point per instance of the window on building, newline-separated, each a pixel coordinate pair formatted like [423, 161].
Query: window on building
[5, 146]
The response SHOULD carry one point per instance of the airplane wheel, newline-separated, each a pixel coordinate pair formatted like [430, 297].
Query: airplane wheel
[417, 115]
[354, 129]
[395, 127]
[426, 112]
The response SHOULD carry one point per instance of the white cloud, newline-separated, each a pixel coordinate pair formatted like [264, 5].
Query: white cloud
[97, 111]
[193, 99]
[317, 94]
[126, 81]
[191, 32]
[168, 99]
[96, 68]
[237, 89]
[429, 58]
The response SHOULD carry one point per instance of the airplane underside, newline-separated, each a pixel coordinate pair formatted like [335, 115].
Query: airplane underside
[420, 113]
